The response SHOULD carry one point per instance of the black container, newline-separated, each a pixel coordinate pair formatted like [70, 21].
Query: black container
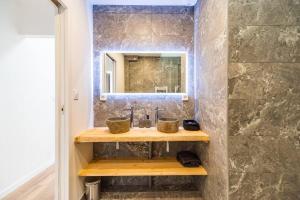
[191, 125]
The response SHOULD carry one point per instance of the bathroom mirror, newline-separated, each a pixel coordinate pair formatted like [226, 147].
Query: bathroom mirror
[143, 72]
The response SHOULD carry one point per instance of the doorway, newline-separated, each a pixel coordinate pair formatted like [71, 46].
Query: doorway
[31, 118]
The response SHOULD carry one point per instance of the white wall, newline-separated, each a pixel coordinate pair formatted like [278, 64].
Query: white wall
[35, 17]
[79, 69]
[26, 103]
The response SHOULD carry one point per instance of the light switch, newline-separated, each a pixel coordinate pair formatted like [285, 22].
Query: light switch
[75, 95]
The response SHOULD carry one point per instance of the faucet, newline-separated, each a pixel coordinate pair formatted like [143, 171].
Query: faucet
[157, 114]
[131, 115]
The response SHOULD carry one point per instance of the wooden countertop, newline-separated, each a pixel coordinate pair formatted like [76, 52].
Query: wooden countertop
[140, 135]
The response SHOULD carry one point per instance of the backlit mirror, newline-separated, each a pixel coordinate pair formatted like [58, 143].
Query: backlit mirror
[143, 72]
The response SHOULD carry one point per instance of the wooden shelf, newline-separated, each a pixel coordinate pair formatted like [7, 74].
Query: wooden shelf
[140, 135]
[159, 167]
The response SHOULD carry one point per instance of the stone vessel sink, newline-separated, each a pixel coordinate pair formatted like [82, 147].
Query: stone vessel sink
[118, 124]
[168, 125]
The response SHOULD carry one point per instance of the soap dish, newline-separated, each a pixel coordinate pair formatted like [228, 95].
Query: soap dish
[191, 125]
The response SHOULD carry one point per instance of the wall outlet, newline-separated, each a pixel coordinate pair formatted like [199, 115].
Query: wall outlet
[185, 97]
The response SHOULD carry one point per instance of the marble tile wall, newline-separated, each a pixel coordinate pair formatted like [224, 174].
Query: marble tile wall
[264, 99]
[133, 28]
[211, 57]
[155, 193]
[187, 195]
[145, 28]
[251, 49]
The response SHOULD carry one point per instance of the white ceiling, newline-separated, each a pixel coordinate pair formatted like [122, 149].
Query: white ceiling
[146, 2]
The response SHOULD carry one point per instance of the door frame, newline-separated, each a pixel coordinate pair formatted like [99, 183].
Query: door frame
[61, 103]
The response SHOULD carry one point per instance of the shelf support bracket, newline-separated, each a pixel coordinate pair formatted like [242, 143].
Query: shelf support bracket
[168, 147]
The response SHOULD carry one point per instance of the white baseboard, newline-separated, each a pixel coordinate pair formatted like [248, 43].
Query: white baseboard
[24, 179]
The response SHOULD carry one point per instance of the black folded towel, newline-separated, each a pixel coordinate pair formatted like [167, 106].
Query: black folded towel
[188, 159]
[191, 125]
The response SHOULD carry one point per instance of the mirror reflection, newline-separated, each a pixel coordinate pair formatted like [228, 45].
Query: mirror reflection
[140, 72]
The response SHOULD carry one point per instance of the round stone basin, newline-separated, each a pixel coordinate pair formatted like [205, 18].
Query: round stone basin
[168, 125]
[118, 125]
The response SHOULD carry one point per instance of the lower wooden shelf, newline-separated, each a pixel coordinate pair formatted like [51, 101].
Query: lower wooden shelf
[157, 167]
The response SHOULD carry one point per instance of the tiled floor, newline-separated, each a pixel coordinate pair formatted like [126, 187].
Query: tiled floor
[39, 188]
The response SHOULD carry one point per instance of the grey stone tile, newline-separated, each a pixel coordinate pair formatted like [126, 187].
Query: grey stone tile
[264, 80]
[247, 81]
[289, 154]
[254, 154]
[134, 181]
[257, 186]
[264, 44]
[211, 25]
[168, 181]
[186, 195]
[252, 118]
[103, 23]
[133, 28]
[211, 94]
[159, 148]
[173, 24]
[173, 107]
[117, 9]
[133, 42]
[264, 186]
[264, 97]
[263, 118]
[188, 10]
[289, 185]
[267, 12]
[138, 24]
[289, 195]
[166, 43]
[130, 149]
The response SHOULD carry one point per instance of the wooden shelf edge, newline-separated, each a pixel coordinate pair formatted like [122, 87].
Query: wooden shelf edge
[134, 167]
[140, 135]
